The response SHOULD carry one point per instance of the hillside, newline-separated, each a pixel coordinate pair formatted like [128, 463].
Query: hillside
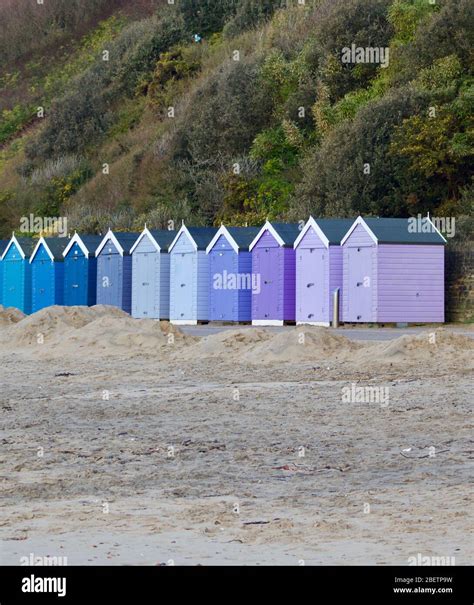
[118, 113]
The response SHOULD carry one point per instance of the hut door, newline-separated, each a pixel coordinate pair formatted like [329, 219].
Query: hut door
[223, 288]
[269, 299]
[145, 280]
[312, 295]
[109, 287]
[43, 283]
[12, 279]
[76, 280]
[360, 284]
[184, 269]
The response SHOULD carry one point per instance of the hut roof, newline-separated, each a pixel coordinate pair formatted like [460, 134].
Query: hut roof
[399, 230]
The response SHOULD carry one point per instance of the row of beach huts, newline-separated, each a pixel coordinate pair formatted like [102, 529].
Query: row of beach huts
[383, 269]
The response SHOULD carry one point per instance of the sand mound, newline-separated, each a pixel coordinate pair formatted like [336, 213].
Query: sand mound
[305, 343]
[438, 345]
[10, 315]
[63, 330]
[228, 344]
[47, 324]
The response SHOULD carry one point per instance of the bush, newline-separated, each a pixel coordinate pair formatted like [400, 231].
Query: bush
[334, 182]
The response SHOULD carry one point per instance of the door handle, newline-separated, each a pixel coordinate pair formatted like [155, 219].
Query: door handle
[309, 285]
[359, 283]
[310, 315]
[182, 285]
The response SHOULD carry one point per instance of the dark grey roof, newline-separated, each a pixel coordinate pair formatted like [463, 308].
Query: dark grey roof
[243, 236]
[163, 237]
[403, 231]
[202, 236]
[91, 242]
[27, 245]
[57, 246]
[3, 245]
[335, 228]
[287, 231]
[126, 240]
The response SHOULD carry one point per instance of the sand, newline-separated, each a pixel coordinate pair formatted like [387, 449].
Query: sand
[127, 442]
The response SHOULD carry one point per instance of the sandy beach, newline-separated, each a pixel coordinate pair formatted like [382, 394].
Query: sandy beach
[129, 442]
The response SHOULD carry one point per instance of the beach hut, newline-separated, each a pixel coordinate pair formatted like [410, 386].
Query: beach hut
[273, 269]
[393, 271]
[3, 246]
[319, 269]
[17, 273]
[230, 268]
[151, 274]
[114, 270]
[47, 272]
[189, 275]
[80, 270]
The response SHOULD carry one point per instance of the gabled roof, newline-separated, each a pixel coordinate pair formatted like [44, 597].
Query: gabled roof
[160, 238]
[122, 240]
[54, 246]
[284, 233]
[87, 243]
[239, 238]
[330, 230]
[399, 230]
[25, 246]
[199, 236]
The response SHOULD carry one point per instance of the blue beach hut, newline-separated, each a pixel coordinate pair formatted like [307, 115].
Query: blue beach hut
[47, 273]
[189, 275]
[151, 274]
[17, 273]
[3, 246]
[80, 270]
[230, 266]
[114, 270]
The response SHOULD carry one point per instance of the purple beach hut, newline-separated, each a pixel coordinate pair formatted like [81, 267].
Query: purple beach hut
[393, 271]
[273, 273]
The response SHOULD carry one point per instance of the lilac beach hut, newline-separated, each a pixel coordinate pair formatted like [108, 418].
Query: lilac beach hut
[319, 269]
[273, 270]
[393, 271]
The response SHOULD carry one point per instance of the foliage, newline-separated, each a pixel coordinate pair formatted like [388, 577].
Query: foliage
[284, 129]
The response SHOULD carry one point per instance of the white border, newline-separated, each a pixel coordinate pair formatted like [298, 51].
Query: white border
[76, 238]
[12, 241]
[185, 230]
[359, 221]
[41, 241]
[320, 324]
[267, 322]
[107, 236]
[225, 232]
[146, 232]
[437, 230]
[311, 222]
[184, 322]
[266, 227]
